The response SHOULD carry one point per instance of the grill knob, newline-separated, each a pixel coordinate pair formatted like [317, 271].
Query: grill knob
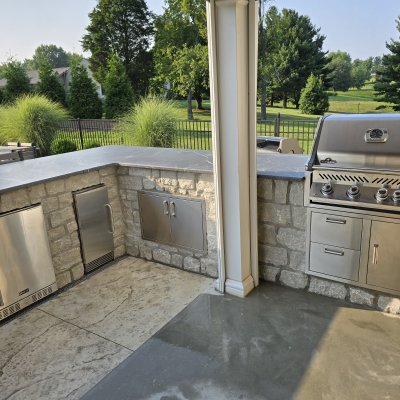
[382, 194]
[327, 189]
[353, 192]
[396, 196]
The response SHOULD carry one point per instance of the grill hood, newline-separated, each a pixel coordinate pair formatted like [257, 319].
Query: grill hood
[357, 141]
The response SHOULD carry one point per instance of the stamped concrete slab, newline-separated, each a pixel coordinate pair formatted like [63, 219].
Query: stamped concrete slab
[128, 302]
[42, 357]
[63, 347]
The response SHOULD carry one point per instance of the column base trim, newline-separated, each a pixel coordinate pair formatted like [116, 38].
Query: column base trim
[240, 289]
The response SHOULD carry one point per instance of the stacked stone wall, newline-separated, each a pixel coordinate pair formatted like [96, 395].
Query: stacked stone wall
[191, 185]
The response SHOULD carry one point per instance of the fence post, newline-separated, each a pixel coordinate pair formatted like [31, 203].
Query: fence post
[277, 125]
[80, 132]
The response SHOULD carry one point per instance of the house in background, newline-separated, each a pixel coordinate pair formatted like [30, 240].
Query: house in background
[64, 74]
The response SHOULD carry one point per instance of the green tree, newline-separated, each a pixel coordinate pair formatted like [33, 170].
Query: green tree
[266, 39]
[339, 63]
[188, 73]
[49, 84]
[83, 100]
[360, 72]
[18, 82]
[54, 55]
[123, 28]
[387, 83]
[294, 51]
[118, 89]
[313, 99]
[180, 32]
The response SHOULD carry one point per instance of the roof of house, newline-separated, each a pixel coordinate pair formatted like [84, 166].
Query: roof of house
[34, 76]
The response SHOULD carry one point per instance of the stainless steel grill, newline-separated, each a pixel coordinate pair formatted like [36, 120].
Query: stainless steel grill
[353, 194]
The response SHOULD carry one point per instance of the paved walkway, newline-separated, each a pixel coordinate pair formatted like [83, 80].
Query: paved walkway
[64, 346]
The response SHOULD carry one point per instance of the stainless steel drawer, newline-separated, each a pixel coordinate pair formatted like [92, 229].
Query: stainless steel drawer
[334, 261]
[336, 230]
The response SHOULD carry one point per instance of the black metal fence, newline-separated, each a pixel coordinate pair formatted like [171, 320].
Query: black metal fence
[195, 135]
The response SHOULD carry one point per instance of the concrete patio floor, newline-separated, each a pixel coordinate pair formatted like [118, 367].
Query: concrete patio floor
[63, 347]
[278, 343]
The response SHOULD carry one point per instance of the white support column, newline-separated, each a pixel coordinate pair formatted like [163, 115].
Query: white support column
[232, 41]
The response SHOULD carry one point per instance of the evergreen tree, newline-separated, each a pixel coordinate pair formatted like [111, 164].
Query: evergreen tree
[387, 83]
[118, 89]
[49, 84]
[314, 100]
[123, 28]
[83, 100]
[18, 82]
[339, 63]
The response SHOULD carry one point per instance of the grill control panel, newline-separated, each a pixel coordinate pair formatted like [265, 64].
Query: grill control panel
[352, 190]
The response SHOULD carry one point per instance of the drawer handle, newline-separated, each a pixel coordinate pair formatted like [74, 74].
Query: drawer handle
[336, 221]
[166, 207]
[375, 254]
[334, 252]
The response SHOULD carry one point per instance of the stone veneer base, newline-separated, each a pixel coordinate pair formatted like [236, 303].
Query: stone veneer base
[282, 233]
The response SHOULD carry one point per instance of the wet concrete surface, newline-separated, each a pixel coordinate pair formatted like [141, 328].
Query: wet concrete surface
[278, 343]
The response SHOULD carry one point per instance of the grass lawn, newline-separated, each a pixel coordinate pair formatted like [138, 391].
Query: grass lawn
[357, 101]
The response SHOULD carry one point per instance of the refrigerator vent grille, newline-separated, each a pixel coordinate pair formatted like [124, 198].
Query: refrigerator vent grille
[9, 311]
[12, 309]
[99, 262]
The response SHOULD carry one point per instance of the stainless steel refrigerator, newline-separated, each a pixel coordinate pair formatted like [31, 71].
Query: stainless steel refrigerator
[26, 267]
[96, 227]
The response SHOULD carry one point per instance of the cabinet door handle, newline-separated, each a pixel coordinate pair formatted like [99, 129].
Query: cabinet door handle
[335, 221]
[375, 254]
[166, 207]
[173, 213]
[334, 252]
[110, 217]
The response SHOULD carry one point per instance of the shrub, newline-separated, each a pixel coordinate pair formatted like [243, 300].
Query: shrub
[152, 123]
[63, 146]
[32, 118]
[91, 145]
[313, 99]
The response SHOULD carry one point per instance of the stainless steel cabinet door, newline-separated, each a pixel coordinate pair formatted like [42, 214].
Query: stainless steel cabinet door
[187, 222]
[383, 260]
[95, 224]
[154, 214]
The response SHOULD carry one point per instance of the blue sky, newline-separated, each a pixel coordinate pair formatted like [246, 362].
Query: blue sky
[360, 27]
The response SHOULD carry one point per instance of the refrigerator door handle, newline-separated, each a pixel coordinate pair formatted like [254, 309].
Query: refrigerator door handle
[110, 217]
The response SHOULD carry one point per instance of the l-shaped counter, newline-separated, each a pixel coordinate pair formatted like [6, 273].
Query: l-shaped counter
[126, 171]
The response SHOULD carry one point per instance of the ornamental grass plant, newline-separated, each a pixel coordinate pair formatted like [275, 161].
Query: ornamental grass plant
[151, 123]
[31, 118]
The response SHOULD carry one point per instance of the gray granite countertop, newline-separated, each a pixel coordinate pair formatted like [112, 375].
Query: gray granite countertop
[25, 173]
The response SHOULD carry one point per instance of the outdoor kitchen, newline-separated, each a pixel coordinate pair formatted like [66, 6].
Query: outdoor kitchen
[312, 235]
